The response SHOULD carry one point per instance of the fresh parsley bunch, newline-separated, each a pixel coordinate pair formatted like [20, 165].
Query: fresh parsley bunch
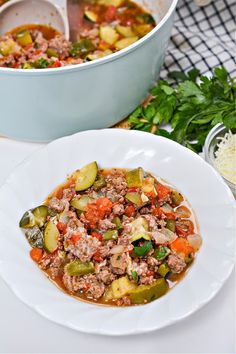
[191, 103]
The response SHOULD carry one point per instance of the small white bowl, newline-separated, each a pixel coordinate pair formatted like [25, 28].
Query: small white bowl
[210, 148]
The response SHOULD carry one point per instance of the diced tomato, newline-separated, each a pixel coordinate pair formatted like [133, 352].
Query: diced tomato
[150, 273]
[98, 210]
[181, 245]
[133, 189]
[129, 211]
[110, 13]
[36, 254]
[15, 66]
[97, 257]
[56, 64]
[184, 227]
[97, 235]
[62, 227]
[104, 206]
[157, 211]
[162, 191]
[103, 45]
[75, 237]
[152, 194]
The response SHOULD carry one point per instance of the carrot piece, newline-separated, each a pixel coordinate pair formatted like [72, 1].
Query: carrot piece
[181, 245]
[36, 254]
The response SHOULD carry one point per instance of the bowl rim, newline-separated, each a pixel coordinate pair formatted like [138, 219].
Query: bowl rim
[101, 61]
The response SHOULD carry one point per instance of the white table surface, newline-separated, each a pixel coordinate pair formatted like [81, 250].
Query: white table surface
[210, 330]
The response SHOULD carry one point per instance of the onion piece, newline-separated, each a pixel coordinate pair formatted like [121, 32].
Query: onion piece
[117, 249]
[195, 241]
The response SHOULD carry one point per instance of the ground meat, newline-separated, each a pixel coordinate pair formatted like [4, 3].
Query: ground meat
[105, 250]
[145, 210]
[116, 186]
[124, 301]
[61, 46]
[68, 282]
[176, 263]
[71, 61]
[93, 33]
[119, 263]
[124, 240]
[68, 193]
[127, 227]
[44, 262]
[74, 225]
[58, 204]
[41, 42]
[118, 209]
[152, 263]
[105, 225]
[85, 248]
[141, 268]
[146, 280]
[55, 266]
[152, 222]
[88, 284]
[105, 275]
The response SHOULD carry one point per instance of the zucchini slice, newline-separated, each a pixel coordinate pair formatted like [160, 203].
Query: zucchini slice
[90, 16]
[134, 198]
[134, 178]
[34, 217]
[85, 177]
[27, 221]
[40, 214]
[108, 34]
[147, 293]
[141, 30]
[137, 237]
[163, 270]
[110, 235]
[125, 31]
[122, 286]
[115, 3]
[81, 203]
[23, 37]
[78, 268]
[125, 42]
[51, 235]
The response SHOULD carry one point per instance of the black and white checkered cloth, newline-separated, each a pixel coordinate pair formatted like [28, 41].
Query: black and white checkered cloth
[202, 37]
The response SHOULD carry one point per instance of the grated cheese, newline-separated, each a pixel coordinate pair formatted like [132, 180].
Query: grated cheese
[225, 160]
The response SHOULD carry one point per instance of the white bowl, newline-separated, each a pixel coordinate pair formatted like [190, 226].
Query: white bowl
[209, 196]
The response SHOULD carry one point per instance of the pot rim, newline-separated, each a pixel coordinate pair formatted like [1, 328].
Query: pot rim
[101, 61]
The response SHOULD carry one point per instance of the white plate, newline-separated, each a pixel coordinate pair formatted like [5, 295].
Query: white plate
[37, 176]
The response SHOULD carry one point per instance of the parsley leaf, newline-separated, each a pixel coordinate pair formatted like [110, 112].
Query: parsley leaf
[191, 103]
[134, 275]
[143, 250]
